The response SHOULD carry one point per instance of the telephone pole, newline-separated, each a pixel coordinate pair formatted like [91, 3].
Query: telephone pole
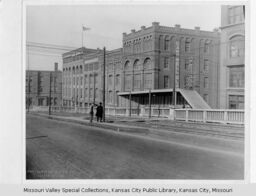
[104, 72]
[174, 83]
[50, 93]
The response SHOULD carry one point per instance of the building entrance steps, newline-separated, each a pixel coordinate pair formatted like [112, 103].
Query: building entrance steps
[226, 141]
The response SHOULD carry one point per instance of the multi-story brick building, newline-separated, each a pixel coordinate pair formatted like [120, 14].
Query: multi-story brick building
[232, 62]
[38, 87]
[145, 67]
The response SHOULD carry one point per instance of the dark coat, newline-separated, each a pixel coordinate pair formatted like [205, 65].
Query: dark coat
[91, 110]
[99, 111]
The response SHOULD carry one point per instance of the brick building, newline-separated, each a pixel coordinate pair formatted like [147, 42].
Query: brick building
[232, 62]
[38, 87]
[145, 66]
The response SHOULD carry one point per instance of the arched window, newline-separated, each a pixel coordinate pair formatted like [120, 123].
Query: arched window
[236, 47]
[81, 69]
[127, 65]
[136, 65]
[147, 63]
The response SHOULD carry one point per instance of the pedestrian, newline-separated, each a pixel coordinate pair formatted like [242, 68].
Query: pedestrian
[99, 112]
[91, 113]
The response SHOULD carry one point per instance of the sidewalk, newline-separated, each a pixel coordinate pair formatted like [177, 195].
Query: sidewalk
[208, 139]
[164, 124]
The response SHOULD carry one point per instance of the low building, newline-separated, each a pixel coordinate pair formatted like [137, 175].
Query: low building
[38, 87]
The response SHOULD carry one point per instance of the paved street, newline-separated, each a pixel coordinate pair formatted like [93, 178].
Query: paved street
[65, 150]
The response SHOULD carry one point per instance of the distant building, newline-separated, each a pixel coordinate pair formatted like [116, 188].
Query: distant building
[38, 87]
[144, 67]
[232, 62]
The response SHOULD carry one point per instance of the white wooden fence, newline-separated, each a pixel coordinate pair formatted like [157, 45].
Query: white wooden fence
[192, 115]
[212, 115]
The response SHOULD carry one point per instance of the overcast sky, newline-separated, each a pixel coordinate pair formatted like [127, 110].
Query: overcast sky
[62, 25]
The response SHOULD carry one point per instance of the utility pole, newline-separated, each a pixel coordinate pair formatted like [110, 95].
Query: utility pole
[130, 103]
[149, 101]
[174, 83]
[28, 82]
[94, 87]
[50, 93]
[104, 72]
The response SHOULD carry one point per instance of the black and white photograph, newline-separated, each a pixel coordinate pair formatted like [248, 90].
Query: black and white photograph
[134, 91]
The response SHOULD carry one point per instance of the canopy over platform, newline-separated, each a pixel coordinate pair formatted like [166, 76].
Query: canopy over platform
[190, 96]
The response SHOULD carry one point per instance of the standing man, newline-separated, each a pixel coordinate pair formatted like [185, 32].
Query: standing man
[99, 112]
[91, 113]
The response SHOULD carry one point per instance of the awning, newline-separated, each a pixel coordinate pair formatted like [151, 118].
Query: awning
[191, 96]
[194, 99]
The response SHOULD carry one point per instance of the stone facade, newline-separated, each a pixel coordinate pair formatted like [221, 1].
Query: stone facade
[232, 62]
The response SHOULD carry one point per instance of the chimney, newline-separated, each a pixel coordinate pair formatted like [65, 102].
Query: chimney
[133, 30]
[155, 23]
[177, 26]
[197, 28]
[143, 27]
[216, 30]
[55, 66]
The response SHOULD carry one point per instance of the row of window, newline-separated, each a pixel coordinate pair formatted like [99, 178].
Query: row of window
[80, 69]
[138, 40]
[235, 14]
[136, 78]
[188, 42]
[91, 94]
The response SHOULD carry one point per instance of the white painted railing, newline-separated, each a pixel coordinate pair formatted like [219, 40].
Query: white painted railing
[195, 115]
[211, 115]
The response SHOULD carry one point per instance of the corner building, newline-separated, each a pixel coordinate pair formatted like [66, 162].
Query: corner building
[232, 61]
[145, 67]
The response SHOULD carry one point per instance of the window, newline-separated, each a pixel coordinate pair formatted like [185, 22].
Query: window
[117, 98]
[137, 81]
[81, 81]
[206, 82]
[81, 92]
[85, 80]
[91, 80]
[127, 82]
[166, 44]
[91, 92]
[206, 97]
[40, 101]
[148, 80]
[110, 80]
[166, 62]
[188, 82]
[110, 97]
[96, 78]
[189, 65]
[117, 79]
[147, 63]
[136, 65]
[235, 14]
[187, 45]
[237, 46]
[236, 77]
[127, 65]
[206, 65]
[206, 47]
[85, 92]
[236, 102]
[166, 81]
